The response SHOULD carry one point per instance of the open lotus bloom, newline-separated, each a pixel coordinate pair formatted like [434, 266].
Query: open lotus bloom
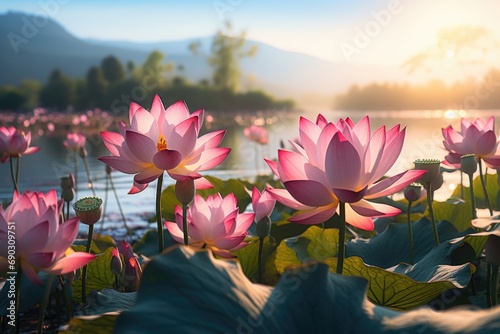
[340, 162]
[14, 143]
[40, 241]
[163, 140]
[74, 141]
[257, 134]
[214, 223]
[476, 137]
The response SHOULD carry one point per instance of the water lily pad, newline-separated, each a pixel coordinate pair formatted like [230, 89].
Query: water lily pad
[314, 244]
[398, 291]
[96, 324]
[109, 300]
[99, 275]
[188, 291]
[392, 246]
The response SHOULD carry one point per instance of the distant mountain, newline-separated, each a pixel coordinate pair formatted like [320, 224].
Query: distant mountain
[32, 48]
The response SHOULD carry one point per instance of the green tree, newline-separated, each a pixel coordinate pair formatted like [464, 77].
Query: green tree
[11, 98]
[112, 69]
[31, 89]
[59, 91]
[95, 88]
[154, 71]
[226, 52]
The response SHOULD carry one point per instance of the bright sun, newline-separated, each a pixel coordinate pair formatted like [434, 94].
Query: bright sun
[450, 53]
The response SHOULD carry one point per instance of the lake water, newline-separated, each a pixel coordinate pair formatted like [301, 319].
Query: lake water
[42, 170]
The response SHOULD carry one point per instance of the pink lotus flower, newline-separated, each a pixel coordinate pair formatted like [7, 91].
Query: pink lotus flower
[74, 141]
[340, 162]
[213, 223]
[163, 140]
[262, 204]
[14, 143]
[476, 137]
[40, 241]
[257, 134]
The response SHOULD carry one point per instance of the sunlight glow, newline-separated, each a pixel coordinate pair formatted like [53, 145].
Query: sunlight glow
[450, 53]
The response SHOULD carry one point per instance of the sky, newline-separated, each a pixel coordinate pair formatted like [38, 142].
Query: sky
[385, 32]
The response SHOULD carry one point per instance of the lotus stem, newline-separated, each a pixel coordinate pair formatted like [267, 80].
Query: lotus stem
[43, 306]
[129, 232]
[431, 211]
[462, 184]
[410, 231]
[106, 189]
[89, 177]
[158, 213]
[14, 179]
[75, 160]
[18, 296]
[261, 247]
[185, 224]
[342, 228]
[472, 197]
[66, 296]
[488, 285]
[494, 285]
[483, 183]
[84, 271]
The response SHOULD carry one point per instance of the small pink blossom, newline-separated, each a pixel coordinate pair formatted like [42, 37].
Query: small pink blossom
[74, 141]
[257, 134]
[476, 137]
[14, 143]
[214, 223]
[41, 242]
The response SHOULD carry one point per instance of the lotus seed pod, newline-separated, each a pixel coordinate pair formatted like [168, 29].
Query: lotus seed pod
[432, 168]
[88, 209]
[468, 164]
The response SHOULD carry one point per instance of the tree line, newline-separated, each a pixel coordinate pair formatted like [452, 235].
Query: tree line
[111, 85]
[471, 94]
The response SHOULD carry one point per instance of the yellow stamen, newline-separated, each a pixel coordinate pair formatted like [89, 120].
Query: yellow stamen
[162, 144]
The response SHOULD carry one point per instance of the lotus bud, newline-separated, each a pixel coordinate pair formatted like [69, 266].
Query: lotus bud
[413, 192]
[116, 262]
[133, 272]
[126, 250]
[432, 168]
[263, 227]
[184, 190]
[468, 164]
[68, 181]
[492, 249]
[88, 209]
[68, 194]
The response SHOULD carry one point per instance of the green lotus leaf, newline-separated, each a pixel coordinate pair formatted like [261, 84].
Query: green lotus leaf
[188, 291]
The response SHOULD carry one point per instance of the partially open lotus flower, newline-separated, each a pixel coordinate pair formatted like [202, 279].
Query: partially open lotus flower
[341, 162]
[214, 223]
[14, 143]
[74, 141]
[163, 140]
[257, 134]
[475, 137]
[41, 242]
